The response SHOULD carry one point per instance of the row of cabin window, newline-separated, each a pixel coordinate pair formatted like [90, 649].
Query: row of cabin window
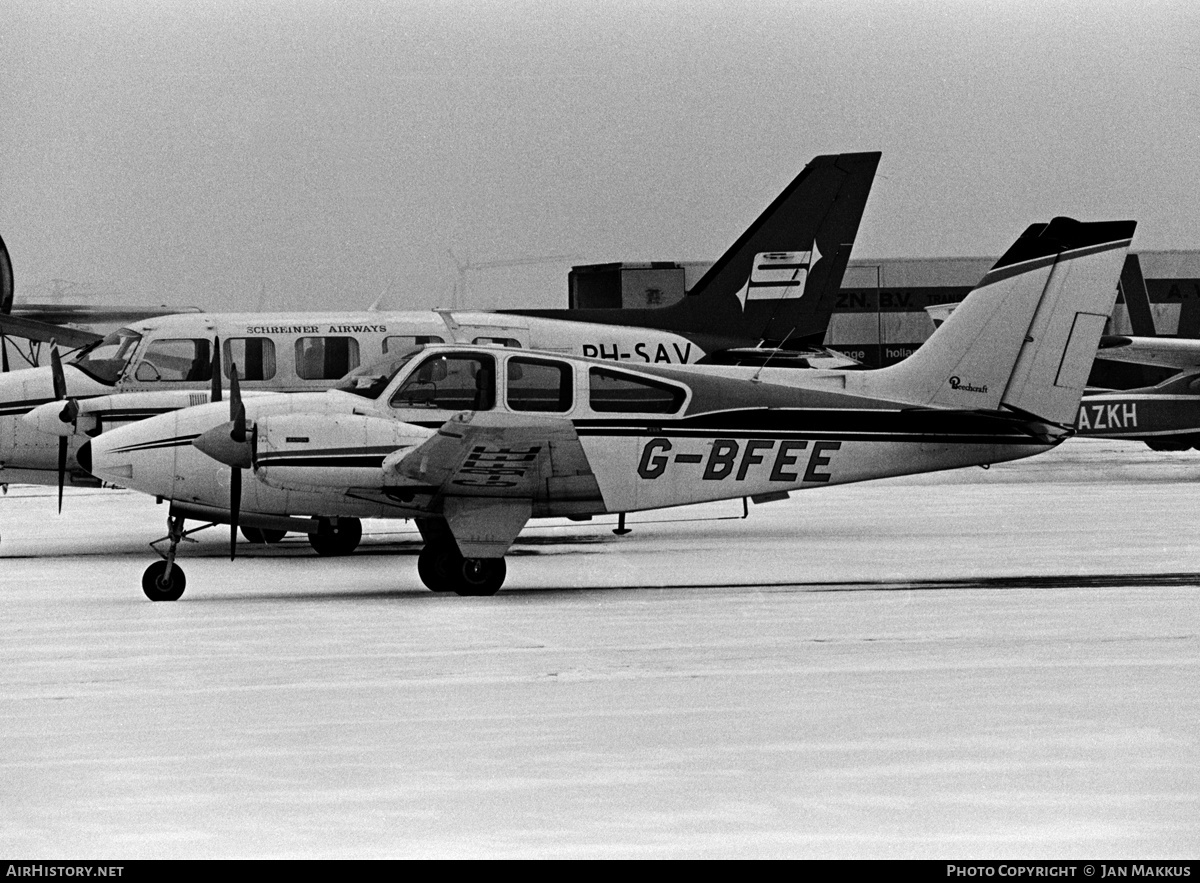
[316, 358]
[468, 383]
[443, 382]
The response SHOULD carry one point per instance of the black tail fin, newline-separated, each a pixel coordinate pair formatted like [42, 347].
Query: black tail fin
[6, 281]
[799, 246]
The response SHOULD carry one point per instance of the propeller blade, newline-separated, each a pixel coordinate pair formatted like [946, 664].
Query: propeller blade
[235, 507]
[3, 353]
[216, 371]
[235, 394]
[62, 469]
[56, 372]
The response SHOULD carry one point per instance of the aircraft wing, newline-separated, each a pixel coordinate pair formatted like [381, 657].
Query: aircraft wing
[1166, 352]
[483, 454]
[44, 332]
[489, 469]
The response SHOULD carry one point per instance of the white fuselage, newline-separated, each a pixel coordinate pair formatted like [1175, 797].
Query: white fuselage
[154, 366]
[327, 454]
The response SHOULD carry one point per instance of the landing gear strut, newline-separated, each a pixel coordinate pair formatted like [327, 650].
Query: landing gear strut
[164, 580]
[443, 569]
[338, 537]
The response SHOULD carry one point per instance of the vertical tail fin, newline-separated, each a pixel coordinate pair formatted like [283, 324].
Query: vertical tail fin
[6, 280]
[1137, 300]
[780, 279]
[1025, 337]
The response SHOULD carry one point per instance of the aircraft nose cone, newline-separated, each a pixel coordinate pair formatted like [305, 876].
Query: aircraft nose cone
[84, 457]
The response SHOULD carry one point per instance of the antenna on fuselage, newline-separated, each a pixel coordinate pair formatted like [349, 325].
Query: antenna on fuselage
[774, 350]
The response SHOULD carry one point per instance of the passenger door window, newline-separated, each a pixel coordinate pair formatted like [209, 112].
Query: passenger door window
[537, 385]
[254, 357]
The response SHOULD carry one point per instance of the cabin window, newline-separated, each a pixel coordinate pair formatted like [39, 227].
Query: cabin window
[612, 391]
[175, 361]
[498, 341]
[398, 343]
[535, 385]
[450, 382]
[254, 357]
[325, 358]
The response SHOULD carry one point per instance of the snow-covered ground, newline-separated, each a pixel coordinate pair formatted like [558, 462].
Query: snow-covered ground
[997, 663]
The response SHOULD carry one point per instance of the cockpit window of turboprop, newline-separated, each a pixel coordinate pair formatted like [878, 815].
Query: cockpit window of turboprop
[106, 360]
[370, 380]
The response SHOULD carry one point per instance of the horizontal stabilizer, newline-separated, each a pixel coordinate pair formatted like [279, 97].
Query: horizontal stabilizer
[1180, 353]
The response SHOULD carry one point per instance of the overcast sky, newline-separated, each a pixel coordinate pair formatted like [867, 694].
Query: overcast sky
[306, 155]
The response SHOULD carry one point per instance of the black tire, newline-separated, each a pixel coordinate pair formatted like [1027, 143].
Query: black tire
[252, 534]
[480, 577]
[341, 540]
[437, 566]
[271, 536]
[159, 589]
[1168, 444]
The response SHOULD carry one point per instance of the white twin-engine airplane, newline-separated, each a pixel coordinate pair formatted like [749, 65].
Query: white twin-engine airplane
[165, 363]
[472, 442]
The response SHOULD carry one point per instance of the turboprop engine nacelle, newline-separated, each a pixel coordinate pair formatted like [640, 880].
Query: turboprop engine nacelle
[64, 417]
[314, 451]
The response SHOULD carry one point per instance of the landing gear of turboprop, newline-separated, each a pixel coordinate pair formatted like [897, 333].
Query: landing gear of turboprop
[441, 566]
[165, 580]
[443, 569]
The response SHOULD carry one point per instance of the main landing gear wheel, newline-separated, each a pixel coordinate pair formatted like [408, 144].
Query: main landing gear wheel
[340, 540]
[443, 569]
[161, 586]
[436, 566]
[481, 576]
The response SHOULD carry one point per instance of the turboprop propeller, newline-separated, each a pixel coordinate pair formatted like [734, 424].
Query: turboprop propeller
[230, 443]
[69, 414]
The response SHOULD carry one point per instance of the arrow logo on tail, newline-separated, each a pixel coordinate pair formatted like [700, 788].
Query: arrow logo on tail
[778, 275]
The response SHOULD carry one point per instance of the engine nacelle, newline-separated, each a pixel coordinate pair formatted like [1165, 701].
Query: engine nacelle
[317, 451]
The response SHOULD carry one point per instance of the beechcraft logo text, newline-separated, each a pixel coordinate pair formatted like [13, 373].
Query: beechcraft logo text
[956, 383]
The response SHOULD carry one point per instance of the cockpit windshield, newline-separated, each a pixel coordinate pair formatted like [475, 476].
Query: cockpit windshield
[370, 380]
[106, 360]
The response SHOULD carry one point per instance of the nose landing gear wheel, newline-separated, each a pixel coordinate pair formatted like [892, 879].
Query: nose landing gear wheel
[159, 586]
